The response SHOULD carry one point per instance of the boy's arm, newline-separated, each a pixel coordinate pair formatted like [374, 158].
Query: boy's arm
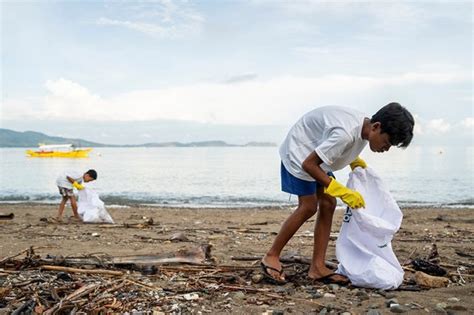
[311, 166]
[332, 187]
[74, 183]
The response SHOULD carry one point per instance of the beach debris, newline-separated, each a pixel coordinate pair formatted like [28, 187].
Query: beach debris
[463, 254]
[389, 302]
[397, 308]
[428, 267]
[409, 287]
[362, 295]
[425, 280]
[291, 258]
[257, 278]
[198, 255]
[179, 237]
[5, 216]
[433, 257]
[77, 270]
[191, 296]
[158, 282]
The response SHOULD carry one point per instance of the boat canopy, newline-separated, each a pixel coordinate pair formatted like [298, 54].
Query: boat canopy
[55, 146]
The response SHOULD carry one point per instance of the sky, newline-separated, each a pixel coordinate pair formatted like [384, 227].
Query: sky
[151, 71]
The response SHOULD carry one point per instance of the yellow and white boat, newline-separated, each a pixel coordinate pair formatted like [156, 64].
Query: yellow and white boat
[59, 150]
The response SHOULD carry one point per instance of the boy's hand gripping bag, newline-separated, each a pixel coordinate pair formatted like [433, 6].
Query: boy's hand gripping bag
[91, 208]
[364, 248]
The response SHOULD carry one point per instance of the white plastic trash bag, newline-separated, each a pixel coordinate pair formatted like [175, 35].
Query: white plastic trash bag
[364, 248]
[91, 208]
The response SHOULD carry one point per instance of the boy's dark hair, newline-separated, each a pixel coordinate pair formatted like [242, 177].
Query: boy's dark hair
[397, 122]
[92, 173]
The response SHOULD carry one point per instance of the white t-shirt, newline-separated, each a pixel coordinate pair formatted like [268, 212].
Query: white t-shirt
[333, 132]
[62, 181]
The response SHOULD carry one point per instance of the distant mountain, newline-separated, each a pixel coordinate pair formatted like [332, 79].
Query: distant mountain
[28, 139]
[11, 139]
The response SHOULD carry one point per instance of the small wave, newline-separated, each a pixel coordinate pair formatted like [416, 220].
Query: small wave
[124, 200]
[465, 202]
[29, 198]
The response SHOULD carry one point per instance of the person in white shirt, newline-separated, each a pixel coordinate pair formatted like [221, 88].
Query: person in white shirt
[325, 140]
[66, 182]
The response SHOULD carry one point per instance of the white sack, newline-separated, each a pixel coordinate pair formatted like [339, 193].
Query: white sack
[364, 248]
[91, 208]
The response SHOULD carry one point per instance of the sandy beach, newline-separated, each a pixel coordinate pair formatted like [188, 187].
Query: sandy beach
[246, 233]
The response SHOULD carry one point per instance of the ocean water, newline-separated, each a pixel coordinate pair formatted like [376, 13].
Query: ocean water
[231, 177]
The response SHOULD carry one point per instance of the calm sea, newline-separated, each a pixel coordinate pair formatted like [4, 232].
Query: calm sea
[231, 177]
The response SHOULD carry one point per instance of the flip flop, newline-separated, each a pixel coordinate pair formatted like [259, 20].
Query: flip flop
[328, 279]
[268, 276]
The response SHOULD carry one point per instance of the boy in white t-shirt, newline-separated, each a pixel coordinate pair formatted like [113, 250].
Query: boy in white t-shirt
[66, 182]
[324, 140]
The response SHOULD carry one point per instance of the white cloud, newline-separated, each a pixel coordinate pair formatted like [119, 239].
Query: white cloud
[279, 100]
[69, 99]
[466, 126]
[437, 126]
[147, 28]
[468, 123]
[159, 19]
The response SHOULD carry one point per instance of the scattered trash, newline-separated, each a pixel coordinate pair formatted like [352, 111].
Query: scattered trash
[179, 237]
[428, 281]
[428, 267]
[4, 216]
[191, 296]
[169, 278]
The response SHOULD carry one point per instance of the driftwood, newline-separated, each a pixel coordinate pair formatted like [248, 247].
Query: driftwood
[4, 216]
[428, 267]
[86, 271]
[463, 254]
[28, 250]
[85, 290]
[425, 280]
[197, 256]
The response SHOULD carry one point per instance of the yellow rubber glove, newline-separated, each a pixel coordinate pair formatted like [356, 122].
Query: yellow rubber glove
[78, 186]
[358, 162]
[350, 197]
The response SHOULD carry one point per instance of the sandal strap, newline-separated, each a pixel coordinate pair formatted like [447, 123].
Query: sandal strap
[271, 268]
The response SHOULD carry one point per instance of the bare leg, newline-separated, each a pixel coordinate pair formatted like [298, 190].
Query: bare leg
[61, 208]
[307, 206]
[322, 230]
[74, 208]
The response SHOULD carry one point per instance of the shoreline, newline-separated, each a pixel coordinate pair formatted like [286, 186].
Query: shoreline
[250, 232]
[283, 206]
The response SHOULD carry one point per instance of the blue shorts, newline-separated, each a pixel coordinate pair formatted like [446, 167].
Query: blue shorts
[296, 186]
